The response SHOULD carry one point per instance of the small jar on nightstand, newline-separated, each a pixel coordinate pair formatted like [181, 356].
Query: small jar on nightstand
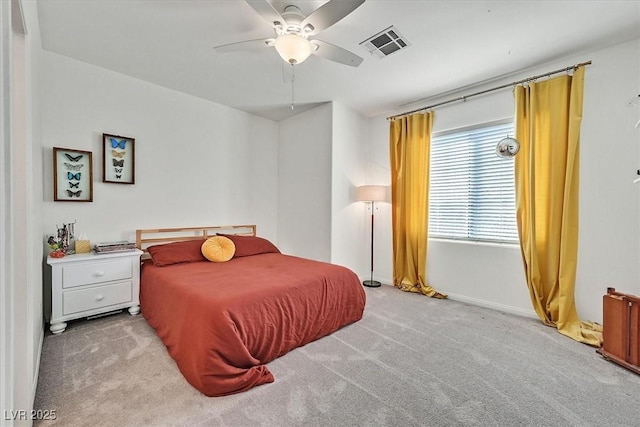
[84, 285]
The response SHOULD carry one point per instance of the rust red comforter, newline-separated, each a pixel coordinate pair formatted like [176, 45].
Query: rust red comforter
[221, 322]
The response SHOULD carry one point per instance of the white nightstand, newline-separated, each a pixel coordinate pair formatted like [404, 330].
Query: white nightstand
[84, 285]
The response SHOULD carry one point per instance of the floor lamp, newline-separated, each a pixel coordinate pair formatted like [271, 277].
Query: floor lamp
[371, 194]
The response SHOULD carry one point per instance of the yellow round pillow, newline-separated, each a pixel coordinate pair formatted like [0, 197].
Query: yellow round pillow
[218, 249]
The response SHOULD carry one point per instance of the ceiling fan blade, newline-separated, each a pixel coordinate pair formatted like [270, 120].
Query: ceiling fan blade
[335, 53]
[248, 45]
[267, 11]
[328, 14]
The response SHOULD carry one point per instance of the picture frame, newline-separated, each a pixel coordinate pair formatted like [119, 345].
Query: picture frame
[119, 160]
[72, 175]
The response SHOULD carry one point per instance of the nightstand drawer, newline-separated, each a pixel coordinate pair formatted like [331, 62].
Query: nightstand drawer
[96, 297]
[96, 272]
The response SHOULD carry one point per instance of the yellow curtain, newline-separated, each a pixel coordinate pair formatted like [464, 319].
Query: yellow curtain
[410, 144]
[548, 117]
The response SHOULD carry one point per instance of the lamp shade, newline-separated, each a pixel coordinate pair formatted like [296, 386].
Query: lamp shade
[293, 48]
[371, 193]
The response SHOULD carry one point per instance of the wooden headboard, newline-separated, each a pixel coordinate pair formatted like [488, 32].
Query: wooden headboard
[157, 236]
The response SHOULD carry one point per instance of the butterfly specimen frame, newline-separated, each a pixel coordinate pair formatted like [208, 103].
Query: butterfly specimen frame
[119, 161]
[72, 175]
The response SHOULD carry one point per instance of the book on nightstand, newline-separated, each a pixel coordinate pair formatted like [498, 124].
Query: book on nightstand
[111, 247]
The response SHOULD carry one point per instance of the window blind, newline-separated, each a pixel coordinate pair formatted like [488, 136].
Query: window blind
[472, 190]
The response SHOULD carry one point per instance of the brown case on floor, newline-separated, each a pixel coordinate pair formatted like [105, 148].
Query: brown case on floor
[621, 329]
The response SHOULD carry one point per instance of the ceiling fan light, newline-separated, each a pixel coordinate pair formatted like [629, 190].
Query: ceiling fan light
[293, 48]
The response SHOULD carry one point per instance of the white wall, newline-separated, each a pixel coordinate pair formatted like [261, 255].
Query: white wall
[609, 251]
[349, 219]
[320, 162]
[196, 162]
[304, 184]
[609, 245]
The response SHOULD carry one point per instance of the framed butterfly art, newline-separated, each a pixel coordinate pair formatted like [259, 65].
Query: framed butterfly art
[118, 154]
[72, 175]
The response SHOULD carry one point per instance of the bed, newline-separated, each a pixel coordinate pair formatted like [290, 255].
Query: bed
[222, 322]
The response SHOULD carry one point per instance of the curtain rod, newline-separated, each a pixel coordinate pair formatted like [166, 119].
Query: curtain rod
[464, 98]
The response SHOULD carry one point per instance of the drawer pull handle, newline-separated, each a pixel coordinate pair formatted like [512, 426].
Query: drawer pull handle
[99, 273]
[99, 297]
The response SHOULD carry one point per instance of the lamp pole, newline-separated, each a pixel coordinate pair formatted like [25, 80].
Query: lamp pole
[372, 283]
[371, 194]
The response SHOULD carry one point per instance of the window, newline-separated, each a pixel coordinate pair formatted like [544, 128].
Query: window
[472, 190]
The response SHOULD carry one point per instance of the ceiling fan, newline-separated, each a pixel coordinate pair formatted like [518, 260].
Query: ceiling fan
[294, 31]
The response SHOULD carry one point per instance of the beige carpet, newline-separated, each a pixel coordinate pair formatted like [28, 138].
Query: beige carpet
[411, 361]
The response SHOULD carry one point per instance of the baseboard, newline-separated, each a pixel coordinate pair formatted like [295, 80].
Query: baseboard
[494, 305]
[36, 374]
[473, 301]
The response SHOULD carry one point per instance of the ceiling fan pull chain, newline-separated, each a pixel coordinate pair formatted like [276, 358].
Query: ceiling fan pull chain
[293, 93]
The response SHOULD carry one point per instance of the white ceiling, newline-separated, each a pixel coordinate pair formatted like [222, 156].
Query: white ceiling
[454, 44]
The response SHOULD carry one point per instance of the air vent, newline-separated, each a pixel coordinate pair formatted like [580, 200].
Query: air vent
[386, 42]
